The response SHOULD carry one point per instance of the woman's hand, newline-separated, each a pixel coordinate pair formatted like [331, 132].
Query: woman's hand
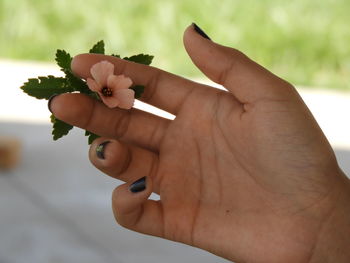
[245, 173]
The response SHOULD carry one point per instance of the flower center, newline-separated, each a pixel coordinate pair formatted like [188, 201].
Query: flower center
[107, 92]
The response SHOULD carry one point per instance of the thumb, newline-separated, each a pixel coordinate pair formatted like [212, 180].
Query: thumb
[133, 210]
[247, 80]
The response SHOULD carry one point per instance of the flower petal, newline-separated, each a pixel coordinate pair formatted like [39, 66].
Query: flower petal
[93, 85]
[118, 82]
[110, 102]
[126, 98]
[100, 72]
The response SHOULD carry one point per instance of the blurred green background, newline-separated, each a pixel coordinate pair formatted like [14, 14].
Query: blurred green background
[305, 42]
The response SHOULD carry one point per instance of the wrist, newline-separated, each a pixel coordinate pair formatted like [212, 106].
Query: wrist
[333, 243]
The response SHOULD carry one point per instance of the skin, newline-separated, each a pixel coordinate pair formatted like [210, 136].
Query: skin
[245, 173]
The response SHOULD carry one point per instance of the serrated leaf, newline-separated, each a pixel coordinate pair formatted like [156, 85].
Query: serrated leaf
[98, 48]
[141, 59]
[138, 90]
[91, 136]
[77, 84]
[45, 87]
[63, 60]
[60, 128]
[115, 55]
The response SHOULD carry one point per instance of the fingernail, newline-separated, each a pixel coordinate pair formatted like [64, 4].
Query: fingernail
[200, 31]
[138, 185]
[100, 150]
[50, 101]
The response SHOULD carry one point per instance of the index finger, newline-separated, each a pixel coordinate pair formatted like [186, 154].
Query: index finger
[162, 89]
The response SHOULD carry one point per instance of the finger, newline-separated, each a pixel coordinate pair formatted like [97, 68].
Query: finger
[133, 210]
[132, 126]
[162, 89]
[247, 80]
[124, 161]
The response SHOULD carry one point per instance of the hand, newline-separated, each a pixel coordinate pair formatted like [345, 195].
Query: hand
[245, 173]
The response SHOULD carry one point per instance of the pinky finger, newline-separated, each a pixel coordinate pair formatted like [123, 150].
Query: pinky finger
[133, 210]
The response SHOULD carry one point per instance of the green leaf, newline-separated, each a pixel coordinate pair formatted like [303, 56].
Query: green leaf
[98, 48]
[60, 128]
[77, 84]
[141, 59]
[138, 90]
[115, 55]
[92, 136]
[63, 60]
[45, 87]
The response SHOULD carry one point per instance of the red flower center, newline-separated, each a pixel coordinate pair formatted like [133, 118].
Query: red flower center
[107, 92]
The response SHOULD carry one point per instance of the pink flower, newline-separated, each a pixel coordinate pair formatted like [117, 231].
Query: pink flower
[113, 89]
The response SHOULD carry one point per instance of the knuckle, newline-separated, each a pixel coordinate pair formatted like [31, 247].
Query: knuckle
[121, 160]
[157, 134]
[89, 118]
[122, 124]
[118, 207]
[225, 74]
[121, 221]
[235, 60]
[151, 85]
[116, 200]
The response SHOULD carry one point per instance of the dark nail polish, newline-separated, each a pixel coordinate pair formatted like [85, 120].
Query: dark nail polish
[200, 31]
[138, 185]
[100, 150]
[50, 101]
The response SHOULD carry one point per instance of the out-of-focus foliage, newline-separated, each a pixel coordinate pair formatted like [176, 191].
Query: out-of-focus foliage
[306, 42]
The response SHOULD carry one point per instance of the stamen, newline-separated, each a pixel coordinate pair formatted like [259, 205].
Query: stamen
[107, 92]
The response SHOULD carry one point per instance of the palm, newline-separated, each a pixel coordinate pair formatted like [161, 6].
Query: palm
[211, 170]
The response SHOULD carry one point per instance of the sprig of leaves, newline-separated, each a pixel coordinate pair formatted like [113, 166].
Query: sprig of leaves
[63, 60]
[46, 87]
[98, 48]
[60, 128]
[141, 59]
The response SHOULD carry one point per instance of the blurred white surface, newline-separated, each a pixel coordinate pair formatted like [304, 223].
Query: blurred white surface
[330, 108]
[54, 210]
